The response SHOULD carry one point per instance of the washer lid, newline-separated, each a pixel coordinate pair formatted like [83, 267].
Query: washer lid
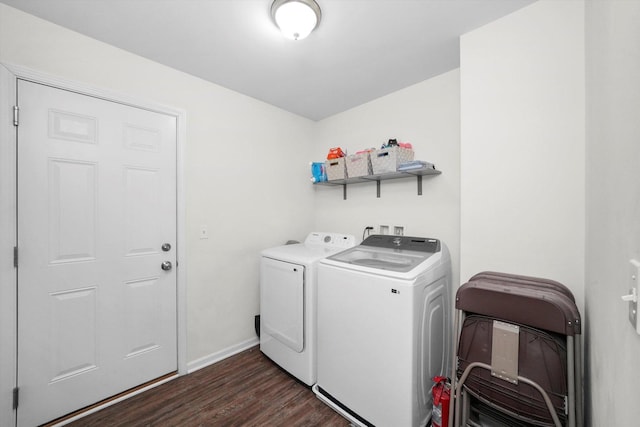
[404, 255]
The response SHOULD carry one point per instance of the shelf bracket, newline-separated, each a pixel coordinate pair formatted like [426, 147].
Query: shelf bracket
[382, 177]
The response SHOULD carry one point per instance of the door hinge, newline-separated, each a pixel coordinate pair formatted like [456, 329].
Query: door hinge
[16, 395]
[16, 118]
[15, 256]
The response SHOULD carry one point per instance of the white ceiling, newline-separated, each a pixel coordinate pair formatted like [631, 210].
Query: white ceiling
[362, 49]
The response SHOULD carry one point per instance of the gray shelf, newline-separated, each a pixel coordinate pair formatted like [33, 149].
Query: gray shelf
[418, 173]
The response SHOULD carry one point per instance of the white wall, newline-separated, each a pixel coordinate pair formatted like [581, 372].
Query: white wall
[237, 180]
[613, 208]
[522, 145]
[428, 116]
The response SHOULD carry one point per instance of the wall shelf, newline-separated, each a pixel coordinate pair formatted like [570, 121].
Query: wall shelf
[418, 173]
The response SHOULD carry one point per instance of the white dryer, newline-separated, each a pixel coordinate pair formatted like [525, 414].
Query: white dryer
[288, 301]
[384, 329]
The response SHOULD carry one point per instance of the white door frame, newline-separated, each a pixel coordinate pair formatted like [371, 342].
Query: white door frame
[9, 73]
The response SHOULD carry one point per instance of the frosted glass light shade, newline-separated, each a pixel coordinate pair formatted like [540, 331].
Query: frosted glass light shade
[296, 18]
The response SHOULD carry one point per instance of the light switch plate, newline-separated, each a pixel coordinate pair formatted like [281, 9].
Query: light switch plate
[634, 280]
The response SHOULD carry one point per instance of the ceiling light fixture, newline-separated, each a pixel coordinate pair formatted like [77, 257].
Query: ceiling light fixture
[296, 18]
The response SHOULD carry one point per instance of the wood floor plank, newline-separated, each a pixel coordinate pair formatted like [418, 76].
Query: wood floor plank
[247, 389]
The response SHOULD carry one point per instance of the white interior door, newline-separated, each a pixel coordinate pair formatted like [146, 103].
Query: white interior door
[96, 204]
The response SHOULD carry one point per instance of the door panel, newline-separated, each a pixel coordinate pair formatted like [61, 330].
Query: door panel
[72, 212]
[96, 201]
[142, 197]
[141, 315]
[73, 327]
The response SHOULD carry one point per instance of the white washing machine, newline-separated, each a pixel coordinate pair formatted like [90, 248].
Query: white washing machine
[288, 301]
[384, 329]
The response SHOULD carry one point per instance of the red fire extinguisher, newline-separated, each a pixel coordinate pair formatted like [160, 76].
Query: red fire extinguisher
[441, 392]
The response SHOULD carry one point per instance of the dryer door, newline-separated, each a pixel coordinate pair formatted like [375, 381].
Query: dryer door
[282, 302]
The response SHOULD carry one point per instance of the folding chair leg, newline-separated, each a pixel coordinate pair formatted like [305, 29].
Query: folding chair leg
[454, 366]
[578, 383]
[466, 408]
[571, 381]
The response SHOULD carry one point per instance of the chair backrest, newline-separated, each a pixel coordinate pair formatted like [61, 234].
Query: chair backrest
[539, 305]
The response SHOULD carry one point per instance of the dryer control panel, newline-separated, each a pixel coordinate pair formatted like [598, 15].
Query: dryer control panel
[330, 240]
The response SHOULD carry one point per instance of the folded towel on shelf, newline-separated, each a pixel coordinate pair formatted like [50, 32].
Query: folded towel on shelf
[415, 164]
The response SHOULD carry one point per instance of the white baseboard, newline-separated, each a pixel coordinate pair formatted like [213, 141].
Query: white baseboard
[221, 355]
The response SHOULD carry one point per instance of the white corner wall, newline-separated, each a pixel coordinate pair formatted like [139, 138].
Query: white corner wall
[238, 182]
[613, 209]
[523, 145]
[427, 115]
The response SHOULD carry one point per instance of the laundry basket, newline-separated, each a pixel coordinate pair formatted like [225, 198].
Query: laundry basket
[517, 353]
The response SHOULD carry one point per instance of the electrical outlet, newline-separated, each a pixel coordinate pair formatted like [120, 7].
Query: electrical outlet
[384, 229]
[204, 232]
[398, 230]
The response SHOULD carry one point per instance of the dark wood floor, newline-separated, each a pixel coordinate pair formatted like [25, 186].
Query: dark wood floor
[247, 389]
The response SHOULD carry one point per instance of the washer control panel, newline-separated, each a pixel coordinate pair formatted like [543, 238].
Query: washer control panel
[420, 244]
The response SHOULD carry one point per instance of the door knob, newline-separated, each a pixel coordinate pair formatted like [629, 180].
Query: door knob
[166, 247]
[166, 266]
